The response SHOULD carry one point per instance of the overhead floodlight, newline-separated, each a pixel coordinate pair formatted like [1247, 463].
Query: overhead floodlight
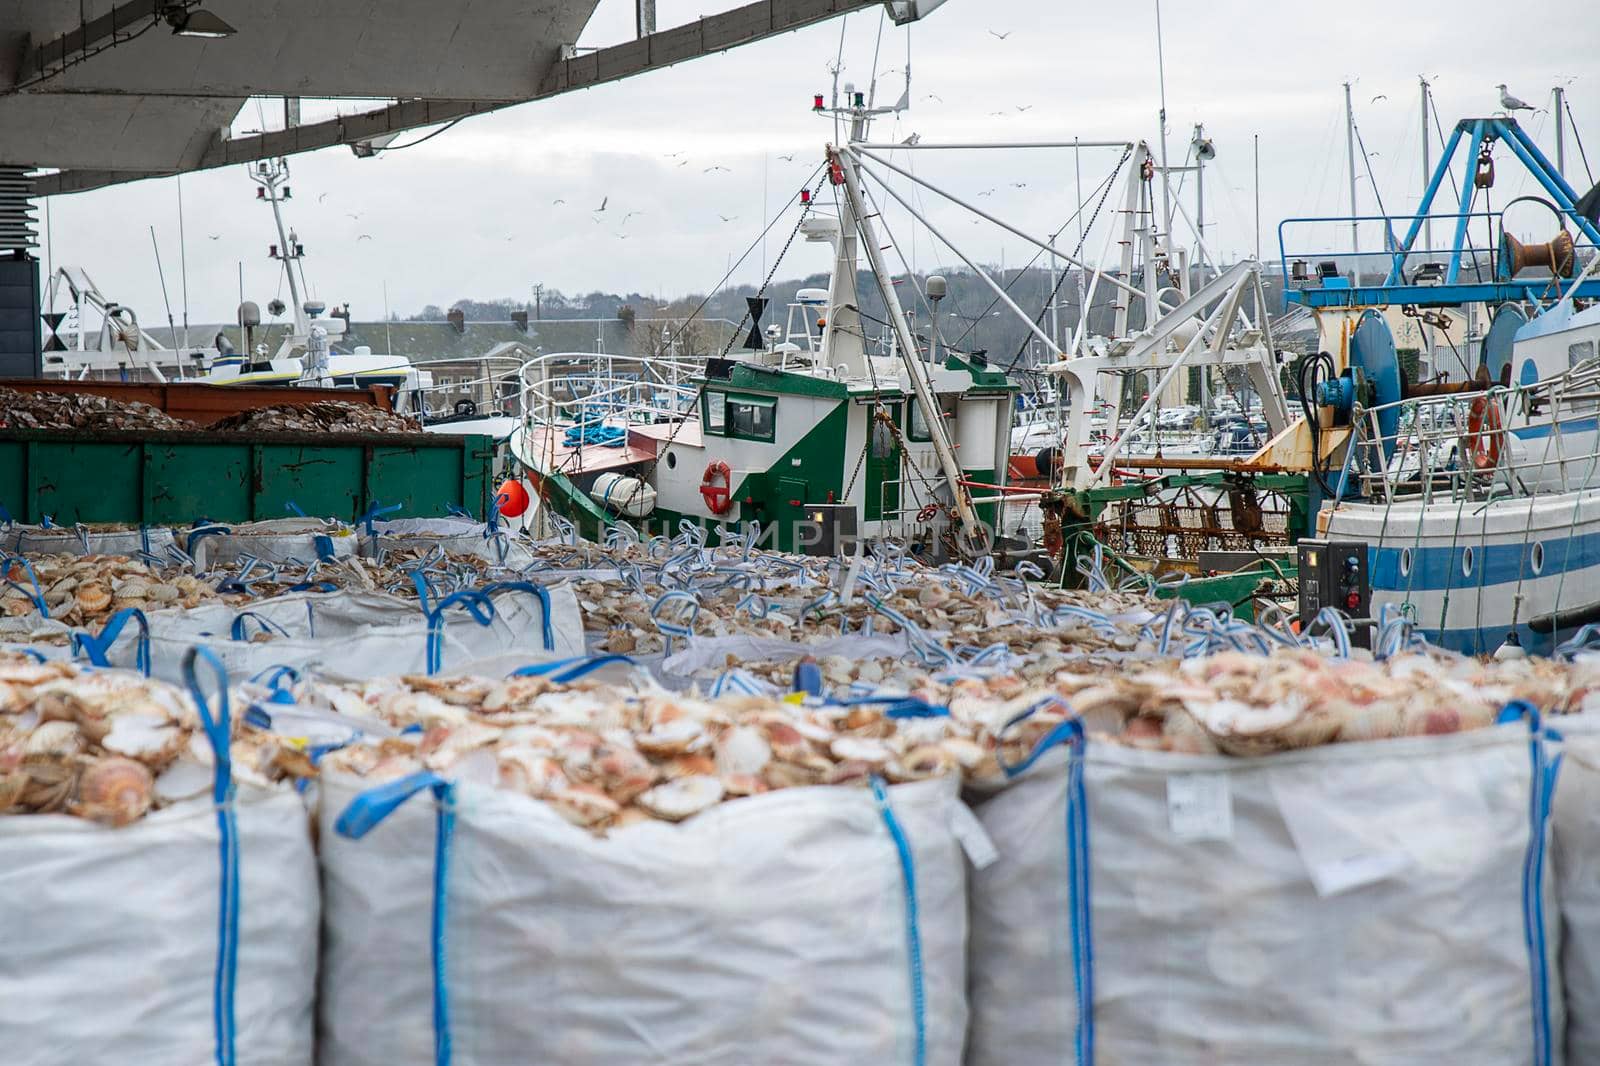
[903, 11]
[197, 23]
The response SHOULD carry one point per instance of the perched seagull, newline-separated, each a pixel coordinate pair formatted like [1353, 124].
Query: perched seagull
[1511, 103]
[1000, 36]
[913, 140]
[602, 207]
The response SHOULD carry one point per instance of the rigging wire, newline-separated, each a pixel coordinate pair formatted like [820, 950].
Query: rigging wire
[1572, 123]
[420, 140]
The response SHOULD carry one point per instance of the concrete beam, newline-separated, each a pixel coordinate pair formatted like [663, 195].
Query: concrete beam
[715, 33]
[55, 55]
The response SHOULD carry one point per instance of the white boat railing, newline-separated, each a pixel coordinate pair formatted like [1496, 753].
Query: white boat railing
[565, 389]
[1482, 444]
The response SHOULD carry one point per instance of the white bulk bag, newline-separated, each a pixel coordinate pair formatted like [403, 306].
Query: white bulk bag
[455, 535]
[772, 929]
[110, 951]
[275, 540]
[77, 540]
[1576, 855]
[1354, 903]
[358, 635]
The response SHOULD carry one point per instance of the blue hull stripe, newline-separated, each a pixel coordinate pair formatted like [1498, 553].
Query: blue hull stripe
[1542, 429]
[1492, 564]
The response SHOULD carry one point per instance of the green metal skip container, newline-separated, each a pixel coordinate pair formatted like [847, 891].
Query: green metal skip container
[166, 478]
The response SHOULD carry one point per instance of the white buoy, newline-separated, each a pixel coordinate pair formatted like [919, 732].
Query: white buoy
[1510, 649]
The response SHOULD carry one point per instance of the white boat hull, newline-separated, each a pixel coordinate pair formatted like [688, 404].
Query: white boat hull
[1469, 573]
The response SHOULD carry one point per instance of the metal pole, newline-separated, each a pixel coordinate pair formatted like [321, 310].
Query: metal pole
[921, 386]
[1350, 154]
[1161, 74]
[1427, 166]
[1257, 140]
[645, 14]
[1561, 131]
[1199, 185]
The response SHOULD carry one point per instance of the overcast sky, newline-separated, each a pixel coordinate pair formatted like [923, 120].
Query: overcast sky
[471, 213]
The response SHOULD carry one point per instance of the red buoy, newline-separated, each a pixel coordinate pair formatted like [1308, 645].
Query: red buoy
[512, 498]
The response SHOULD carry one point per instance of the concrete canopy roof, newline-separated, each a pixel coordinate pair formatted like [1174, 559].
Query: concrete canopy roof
[105, 91]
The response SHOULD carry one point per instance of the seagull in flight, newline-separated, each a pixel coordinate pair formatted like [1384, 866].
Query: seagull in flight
[353, 214]
[673, 155]
[684, 163]
[321, 198]
[1380, 96]
[1511, 103]
[934, 96]
[1024, 107]
[1000, 36]
[629, 215]
[621, 236]
[603, 202]
[787, 158]
[987, 192]
[708, 170]
[997, 114]
[364, 237]
[728, 218]
[556, 201]
[1019, 185]
[215, 236]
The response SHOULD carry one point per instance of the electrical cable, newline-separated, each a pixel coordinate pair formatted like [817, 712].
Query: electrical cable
[1308, 376]
[419, 140]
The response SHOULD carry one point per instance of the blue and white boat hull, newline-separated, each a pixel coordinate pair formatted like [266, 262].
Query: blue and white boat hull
[1469, 572]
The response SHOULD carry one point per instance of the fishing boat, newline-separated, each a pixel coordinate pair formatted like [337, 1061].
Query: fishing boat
[1479, 499]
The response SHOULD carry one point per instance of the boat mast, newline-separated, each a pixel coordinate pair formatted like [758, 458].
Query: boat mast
[269, 174]
[1350, 154]
[1427, 222]
[1561, 131]
[973, 535]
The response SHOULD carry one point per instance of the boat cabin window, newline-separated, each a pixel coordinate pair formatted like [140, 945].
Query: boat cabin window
[751, 419]
[715, 412]
[917, 425]
[1581, 352]
[745, 417]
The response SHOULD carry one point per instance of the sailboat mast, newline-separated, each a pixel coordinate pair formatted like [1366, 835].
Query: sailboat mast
[1561, 131]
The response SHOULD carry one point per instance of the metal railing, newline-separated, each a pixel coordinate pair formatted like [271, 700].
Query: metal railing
[568, 389]
[1476, 445]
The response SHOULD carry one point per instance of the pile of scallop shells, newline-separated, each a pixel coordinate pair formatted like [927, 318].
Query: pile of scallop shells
[321, 416]
[111, 746]
[391, 573]
[81, 590]
[77, 410]
[1234, 703]
[605, 757]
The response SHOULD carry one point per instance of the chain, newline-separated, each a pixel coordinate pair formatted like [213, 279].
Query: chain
[804, 214]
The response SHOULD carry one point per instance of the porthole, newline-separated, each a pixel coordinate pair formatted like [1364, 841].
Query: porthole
[1466, 562]
[1405, 562]
[672, 460]
[1536, 558]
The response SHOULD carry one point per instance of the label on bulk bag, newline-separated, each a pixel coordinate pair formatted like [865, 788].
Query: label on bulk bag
[1200, 806]
[973, 838]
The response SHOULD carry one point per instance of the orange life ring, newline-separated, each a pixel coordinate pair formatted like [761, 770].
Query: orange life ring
[1484, 431]
[716, 487]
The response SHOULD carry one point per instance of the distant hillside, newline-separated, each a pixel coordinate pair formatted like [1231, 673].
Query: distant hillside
[971, 317]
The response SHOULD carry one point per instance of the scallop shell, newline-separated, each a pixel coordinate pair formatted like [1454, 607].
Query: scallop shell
[682, 798]
[114, 792]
